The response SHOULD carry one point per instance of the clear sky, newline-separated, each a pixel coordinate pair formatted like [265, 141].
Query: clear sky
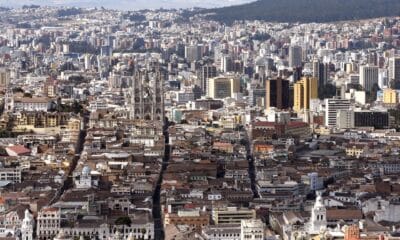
[127, 4]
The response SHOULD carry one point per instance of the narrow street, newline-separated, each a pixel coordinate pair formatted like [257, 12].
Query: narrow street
[68, 182]
[158, 224]
[252, 169]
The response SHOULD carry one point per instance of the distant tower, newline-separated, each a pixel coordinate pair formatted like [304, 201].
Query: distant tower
[27, 226]
[295, 56]
[9, 101]
[320, 71]
[318, 215]
[394, 69]
[368, 77]
[147, 95]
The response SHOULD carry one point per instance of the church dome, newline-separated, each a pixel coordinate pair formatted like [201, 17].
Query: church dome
[86, 170]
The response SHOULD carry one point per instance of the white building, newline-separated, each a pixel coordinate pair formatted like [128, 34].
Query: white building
[221, 232]
[10, 174]
[27, 226]
[318, 216]
[31, 104]
[252, 229]
[345, 119]
[48, 223]
[86, 178]
[390, 212]
[316, 182]
[332, 106]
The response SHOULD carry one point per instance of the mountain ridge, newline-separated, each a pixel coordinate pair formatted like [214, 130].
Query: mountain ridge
[305, 10]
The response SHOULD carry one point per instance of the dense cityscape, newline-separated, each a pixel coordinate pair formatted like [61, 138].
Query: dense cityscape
[160, 124]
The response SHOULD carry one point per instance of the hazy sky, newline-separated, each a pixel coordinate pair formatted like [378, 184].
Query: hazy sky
[127, 4]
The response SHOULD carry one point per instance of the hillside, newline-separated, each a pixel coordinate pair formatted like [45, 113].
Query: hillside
[306, 10]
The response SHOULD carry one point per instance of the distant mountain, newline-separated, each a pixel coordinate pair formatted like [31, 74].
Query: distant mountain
[126, 4]
[306, 10]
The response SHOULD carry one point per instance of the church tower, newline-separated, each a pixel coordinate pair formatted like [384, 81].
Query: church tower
[147, 95]
[318, 215]
[27, 226]
[9, 101]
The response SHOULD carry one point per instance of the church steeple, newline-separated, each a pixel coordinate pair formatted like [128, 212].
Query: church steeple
[27, 226]
[318, 215]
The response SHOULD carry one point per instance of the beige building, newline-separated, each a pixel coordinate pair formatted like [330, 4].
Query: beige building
[232, 215]
[390, 96]
[305, 90]
[223, 87]
[4, 78]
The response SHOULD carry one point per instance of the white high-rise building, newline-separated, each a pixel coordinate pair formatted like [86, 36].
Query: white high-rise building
[369, 75]
[295, 56]
[332, 106]
[88, 64]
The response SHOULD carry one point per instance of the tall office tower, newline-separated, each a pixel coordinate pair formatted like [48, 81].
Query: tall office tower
[207, 71]
[332, 107]
[226, 63]
[277, 93]
[304, 91]
[320, 71]
[4, 78]
[256, 95]
[193, 53]
[223, 87]
[394, 69]
[368, 77]
[147, 96]
[295, 56]
[88, 64]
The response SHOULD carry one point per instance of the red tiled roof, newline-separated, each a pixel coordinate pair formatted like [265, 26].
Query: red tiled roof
[19, 149]
[297, 124]
[343, 214]
[264, 124]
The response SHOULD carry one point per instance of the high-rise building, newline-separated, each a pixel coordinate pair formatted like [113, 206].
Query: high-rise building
[256, 96]
[226, 64]
[207, 71]
[295, 56]
[368, 77]
[147, 96]
[394, 69]
[223, 87]
[4, 78]
[332, 107]
[304, 90]
[277, 93]
[193, 53]
[320, 71]
[345, 119]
